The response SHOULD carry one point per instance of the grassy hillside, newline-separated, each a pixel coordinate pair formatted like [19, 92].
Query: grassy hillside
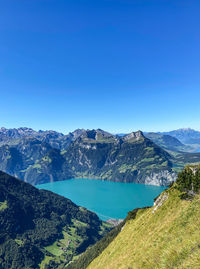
[164, 236]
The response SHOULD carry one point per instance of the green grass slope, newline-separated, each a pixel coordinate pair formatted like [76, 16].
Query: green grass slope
[164, 236]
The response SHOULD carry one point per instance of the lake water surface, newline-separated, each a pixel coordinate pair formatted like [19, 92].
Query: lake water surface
[107, 199]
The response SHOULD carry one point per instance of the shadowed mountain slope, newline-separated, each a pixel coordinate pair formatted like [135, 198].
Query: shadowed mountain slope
[40, 227]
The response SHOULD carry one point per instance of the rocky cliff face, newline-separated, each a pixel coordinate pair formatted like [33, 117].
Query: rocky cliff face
[133, 158]
[134, 136]
[162, 178]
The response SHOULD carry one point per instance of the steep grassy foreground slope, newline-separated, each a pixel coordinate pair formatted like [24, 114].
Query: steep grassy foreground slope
[164, 236]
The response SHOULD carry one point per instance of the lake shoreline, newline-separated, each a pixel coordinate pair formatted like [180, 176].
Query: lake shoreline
[109, 200]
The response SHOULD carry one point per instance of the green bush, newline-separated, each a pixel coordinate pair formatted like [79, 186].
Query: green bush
[188, 181]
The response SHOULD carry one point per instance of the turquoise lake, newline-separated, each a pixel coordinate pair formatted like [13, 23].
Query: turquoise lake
[107, 199]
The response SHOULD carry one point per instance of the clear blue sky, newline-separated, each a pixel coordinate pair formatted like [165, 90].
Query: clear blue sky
[119, 65]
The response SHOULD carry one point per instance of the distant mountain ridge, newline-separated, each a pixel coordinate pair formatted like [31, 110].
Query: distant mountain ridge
[185, 135]
[55, 139]
[168, 142]
[60, 141]
[185, 139]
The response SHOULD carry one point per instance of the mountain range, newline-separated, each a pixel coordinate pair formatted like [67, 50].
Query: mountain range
[55, 139]
[184, 139]
[185, 135]
[169, 142]
[46, 156]
[88, 154]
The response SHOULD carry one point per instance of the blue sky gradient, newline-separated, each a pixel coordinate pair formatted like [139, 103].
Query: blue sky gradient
[118, 65]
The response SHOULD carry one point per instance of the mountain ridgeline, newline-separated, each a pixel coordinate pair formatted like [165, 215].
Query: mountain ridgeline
[39, 157]
[185, 135]
[38, 227]
[169, 142]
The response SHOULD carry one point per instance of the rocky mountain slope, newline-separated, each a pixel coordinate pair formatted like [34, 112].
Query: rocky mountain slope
[40, 227]
[163, 236]
[92, 154]
[46, 156]
[54, 139]
[132, 158]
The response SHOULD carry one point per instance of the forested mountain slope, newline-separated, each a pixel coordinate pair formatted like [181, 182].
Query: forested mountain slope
[40, 227]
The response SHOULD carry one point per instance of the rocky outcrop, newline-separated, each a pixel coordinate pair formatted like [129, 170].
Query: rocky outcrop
[162, 178]
[134, 135]
[159, 201]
